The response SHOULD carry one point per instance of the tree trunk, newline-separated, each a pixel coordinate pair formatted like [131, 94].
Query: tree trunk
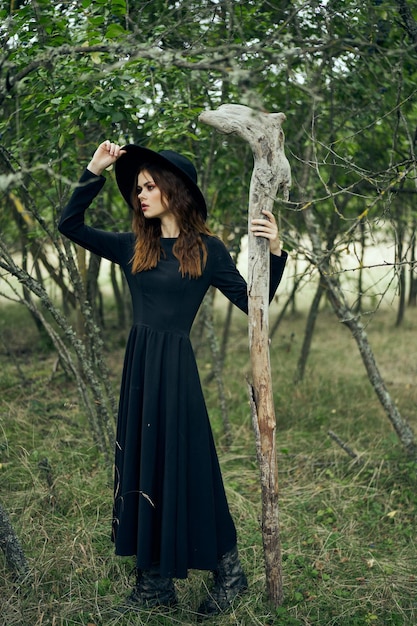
[289, 302]
[93, 289]
[309, 331]
[27, 298]
[412, 293]
[226, 332]
[10, 546]
[400, 274]
[271, 170]
[82, 268]
[346, 316]
[358, 305]
[120, 307]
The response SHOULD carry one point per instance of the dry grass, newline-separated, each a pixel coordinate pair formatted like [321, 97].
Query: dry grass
[348, 526]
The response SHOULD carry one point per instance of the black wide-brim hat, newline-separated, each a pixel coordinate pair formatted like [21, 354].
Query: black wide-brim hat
[128, 165]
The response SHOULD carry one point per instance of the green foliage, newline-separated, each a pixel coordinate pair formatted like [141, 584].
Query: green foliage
[143, 71]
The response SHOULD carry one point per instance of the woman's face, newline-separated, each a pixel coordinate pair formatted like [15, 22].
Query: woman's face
[150, 197]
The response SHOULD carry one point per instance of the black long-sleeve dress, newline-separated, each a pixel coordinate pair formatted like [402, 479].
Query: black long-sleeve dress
[170, 508]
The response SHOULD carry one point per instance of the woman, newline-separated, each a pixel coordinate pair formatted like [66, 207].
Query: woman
[170, 508]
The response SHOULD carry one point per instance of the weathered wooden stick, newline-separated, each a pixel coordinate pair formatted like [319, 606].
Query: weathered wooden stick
[271, 171]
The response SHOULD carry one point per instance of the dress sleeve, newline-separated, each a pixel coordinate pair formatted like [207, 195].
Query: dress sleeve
[231, 283]
[72, 225]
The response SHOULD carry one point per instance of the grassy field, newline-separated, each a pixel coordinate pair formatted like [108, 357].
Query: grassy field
[348, 525]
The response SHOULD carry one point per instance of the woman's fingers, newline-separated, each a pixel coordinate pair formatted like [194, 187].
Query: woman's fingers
[113, 149]
[267, 227]
[106, 154]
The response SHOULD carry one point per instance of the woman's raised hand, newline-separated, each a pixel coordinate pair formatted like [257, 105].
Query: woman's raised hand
[106, 154]
[267, 227]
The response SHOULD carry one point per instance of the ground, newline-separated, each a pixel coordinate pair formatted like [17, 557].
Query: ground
[347, 525]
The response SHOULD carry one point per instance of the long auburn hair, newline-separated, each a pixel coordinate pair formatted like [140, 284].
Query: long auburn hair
[189, 249]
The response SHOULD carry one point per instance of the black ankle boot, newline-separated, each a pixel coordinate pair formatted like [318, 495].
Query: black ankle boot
[229, 582]
[150, 590]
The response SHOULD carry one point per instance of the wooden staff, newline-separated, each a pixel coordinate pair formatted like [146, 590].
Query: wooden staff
[271, 171]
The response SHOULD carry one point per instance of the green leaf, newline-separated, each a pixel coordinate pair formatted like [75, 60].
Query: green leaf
[114, 31]
[118, 7]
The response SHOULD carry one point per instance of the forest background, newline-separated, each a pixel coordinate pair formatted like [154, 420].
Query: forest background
[342, 328]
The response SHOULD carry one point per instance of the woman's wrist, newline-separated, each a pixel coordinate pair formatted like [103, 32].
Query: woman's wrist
[94, 168]
[275, 248]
